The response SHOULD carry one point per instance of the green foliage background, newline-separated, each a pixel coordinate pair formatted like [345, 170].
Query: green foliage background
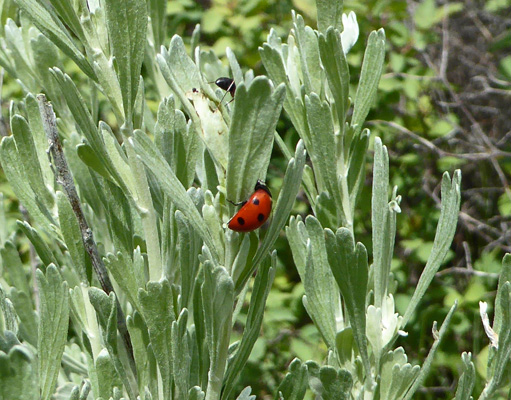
[442, 104]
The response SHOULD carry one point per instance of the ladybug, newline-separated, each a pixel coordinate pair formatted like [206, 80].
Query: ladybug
[226, 84]
[254, 212]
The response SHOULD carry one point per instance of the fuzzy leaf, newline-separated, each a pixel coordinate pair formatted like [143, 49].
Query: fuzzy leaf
[329, 14]
[170, 184]
[349, 267]
[467, 378]
[73, 238]
[295, 382]
[53, 325]
[336, 69]
[260, 291]
[127, 26]
[158, 311]
[446, 227]
[218, 302]
[322, 297]
[51, 27]
[18, 374]
[372, 68]
[256, 112]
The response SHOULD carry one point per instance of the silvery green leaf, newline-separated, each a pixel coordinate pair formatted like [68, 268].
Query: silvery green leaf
[200, 331]
[245, 394]
[158, 310]
[295, 382]
[13, 166]
[18, 374]
[372, 68]
[349, 267]
[128, 273]
[379, 215]
[91, 160]
[157, 9]
[39, 137]
[297, 237]
[153, 160]
[119, 215]
[467, 378]
[307, 43]
[330, 383]
[322, 297]
[345, 347]
[397, 375]
[329, 14]
[181, 357]
[12, 265]
[69, 16]
[213, 222]
[106, 311]
[500, 362]
[178, 144]
[8, 317]
[4, 228]
[446, 227]
[182, 67]
[43, 251]
[337, 72]
[107, 376]
[53, 324]
[196, 393]
[505, 276]
[140, 340]
[87, 127]
[256, 112]
[287, 196]
[260, 291]
[27, 316]
[275, 59]
[356, 169]
[28, 154]
[426, 366]
[55, 30]
[73, 237]
[127, 26]
[237, 73]
[323, 151]
[189, 247]
[218, 302]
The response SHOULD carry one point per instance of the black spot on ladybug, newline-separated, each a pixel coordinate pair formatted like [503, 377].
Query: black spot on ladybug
[260, 217]
[256, 202]
[241, 221]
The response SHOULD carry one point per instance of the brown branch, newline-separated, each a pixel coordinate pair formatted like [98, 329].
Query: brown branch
[65, 179]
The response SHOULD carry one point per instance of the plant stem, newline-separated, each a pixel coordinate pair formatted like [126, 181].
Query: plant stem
[65, 179]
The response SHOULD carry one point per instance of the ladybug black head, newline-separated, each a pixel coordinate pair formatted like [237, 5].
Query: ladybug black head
[261, 185]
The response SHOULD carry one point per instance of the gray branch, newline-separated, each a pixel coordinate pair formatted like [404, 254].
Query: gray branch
[65, 179]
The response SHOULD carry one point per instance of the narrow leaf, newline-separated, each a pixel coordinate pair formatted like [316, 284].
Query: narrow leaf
[256, 112]
[446, 227]
[53, 325]
[372, 68]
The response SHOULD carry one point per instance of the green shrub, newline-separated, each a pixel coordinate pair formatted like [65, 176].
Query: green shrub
[139, 282]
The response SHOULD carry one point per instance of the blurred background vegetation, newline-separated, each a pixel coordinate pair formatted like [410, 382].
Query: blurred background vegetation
[444, 102]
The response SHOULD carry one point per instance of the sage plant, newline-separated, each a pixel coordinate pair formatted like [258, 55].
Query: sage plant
[137, 281]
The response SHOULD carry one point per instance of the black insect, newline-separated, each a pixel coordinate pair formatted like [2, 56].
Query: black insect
[226, 84]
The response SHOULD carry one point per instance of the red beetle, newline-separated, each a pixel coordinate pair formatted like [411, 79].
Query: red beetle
[254, 212]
